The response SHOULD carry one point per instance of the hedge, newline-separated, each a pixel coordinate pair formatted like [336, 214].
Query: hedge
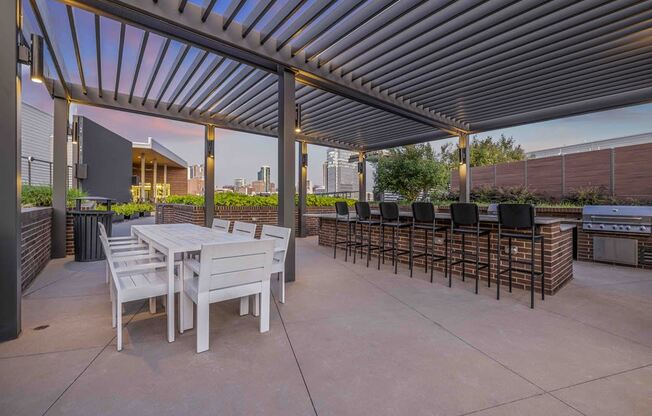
[229, 199]
[41, 196]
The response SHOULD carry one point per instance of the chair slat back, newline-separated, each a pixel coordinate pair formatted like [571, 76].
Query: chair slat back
[223, 266]
[281, 238]
[244, 228]
[109, 259]
[221, 225]
[102, 230]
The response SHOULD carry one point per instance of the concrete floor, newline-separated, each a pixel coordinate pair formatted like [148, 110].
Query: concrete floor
[349, 341]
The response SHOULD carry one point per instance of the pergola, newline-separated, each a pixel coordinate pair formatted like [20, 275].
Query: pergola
[365, 75]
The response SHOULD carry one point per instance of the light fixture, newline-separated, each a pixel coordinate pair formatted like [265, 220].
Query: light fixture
[304, 160]
[297, 119]
[210, 148]
[360, 167]
[462, 155]
[36, 67]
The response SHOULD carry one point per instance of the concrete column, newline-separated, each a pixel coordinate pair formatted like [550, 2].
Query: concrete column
[165, 177]
[303, 184]
[286, 158]
[142, 177]
[10, 180]
[59, 173]
[464, 168]
[209, 176]
[154, 172]
[362, 177]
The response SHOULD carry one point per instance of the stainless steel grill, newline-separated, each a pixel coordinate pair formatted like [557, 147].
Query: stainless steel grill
[617, 219]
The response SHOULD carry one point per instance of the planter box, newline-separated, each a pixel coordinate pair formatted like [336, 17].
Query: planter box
[146, 214]
[134, 216]
[118, 217]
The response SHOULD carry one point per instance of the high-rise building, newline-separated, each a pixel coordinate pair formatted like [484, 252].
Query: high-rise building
[264, 176]
[196, 171]
[340, 175]
[239, 182]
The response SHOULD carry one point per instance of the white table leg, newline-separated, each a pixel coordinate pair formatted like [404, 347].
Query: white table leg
[264, 307]
[244, 305]
[170, 301]
[256, 300]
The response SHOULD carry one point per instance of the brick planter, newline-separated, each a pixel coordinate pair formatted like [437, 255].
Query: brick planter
[35, 242]
[178, 213]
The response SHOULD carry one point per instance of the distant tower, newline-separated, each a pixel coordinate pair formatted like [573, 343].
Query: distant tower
[340, 175]
[263, 175]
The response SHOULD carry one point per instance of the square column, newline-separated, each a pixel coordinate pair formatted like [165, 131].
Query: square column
[303, 185]
[286, 159]
[10, 180]
[464, 155]
[209, 175]
[154, 172]
[142, 177]
[59, 180]
[362, 177]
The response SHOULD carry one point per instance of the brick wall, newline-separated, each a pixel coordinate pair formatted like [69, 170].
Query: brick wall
[35, 242]
[623, 171]
[558, 253]
[176, 213]
[585, 244]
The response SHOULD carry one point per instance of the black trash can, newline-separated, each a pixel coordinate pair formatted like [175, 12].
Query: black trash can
[86, 232]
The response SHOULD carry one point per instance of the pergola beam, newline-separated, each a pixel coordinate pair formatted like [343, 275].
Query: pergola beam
[165, 19]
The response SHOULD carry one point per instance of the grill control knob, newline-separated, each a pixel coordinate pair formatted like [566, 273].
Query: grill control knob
[628, 227]
[601, 226]
[643, 228]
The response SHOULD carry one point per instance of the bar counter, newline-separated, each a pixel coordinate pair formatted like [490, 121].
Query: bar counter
[557, 251]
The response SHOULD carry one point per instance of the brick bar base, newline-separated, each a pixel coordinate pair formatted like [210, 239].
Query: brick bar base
[585, 244]
[558, 252]
[35, 242]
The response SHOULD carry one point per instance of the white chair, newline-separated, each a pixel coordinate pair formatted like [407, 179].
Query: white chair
[138, 278]
[246, 229]
[121, 247]
[281, 238]
[225, 272]
[221, 225]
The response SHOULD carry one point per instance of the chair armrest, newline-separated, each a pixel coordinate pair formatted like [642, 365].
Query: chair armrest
[140, 267]
[192, 264]
[122, 238]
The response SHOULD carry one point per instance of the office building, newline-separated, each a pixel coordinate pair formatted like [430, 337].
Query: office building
[340, 175]
[264, 176]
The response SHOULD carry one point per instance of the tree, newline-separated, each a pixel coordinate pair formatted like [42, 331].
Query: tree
[410, 170]
[486, 151]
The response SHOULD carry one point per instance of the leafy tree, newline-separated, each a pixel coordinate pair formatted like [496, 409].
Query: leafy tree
[410, 170]
[486, 151]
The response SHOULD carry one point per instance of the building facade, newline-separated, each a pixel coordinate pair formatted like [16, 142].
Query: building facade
[264, 176]
[36, 136]
[340, 175]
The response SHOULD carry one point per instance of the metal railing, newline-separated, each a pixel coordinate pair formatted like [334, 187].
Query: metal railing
[38, 172]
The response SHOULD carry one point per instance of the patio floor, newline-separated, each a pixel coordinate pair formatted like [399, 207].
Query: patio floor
[350, 341]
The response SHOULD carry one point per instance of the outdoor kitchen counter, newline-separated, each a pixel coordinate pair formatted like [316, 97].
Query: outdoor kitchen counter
[557, 251]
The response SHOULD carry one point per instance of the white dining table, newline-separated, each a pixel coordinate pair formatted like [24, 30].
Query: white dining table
[173, 239]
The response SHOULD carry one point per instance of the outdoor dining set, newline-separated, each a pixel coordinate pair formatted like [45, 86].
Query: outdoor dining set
[203, 265]
[515, 222]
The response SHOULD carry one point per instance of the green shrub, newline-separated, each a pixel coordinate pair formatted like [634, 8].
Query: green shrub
[41, 196]
[229, 199]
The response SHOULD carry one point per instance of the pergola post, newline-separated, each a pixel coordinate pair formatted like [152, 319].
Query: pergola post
[209, 175]
[142, 177]
[10, 213]
[464, 168]
[362, 177]
[59, 180]
[286, 116]
[303, 188]
[165, 179]
[154, 171]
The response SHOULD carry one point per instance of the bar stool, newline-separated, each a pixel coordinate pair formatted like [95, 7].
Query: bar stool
[465, 220]
[363, 213]
[519, 218]
[342, 215]
[423, 218]
[389, 217]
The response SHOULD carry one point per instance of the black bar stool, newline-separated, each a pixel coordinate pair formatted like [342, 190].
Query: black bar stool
[465, 220]
[389, 217]
[519, 218]
[423, 218]
[363, 213]
[342, 215]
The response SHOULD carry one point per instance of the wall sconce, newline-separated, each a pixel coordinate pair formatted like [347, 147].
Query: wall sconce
[297, 119]
[210, 148]
[36, 67]
[360, 167]
[304, 160]
[462, 155]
